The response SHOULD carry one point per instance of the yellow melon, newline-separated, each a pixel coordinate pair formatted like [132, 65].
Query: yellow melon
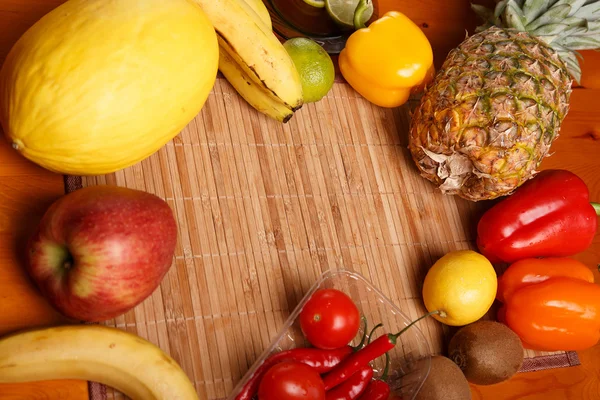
[98, 85]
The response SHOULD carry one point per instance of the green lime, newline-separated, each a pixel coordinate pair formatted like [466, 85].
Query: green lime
[343, 12]
[314, 65]
[315, 3]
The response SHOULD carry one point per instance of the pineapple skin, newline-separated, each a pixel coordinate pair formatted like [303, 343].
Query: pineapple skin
[485, 123]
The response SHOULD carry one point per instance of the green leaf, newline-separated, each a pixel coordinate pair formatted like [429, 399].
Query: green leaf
[574, 4]
[549, 30]
[577, 31]
[483, 12]
[500, 7]
[556, 13]
[570, 60]
[569, 26]
[533, 9]
[594, 26]
[573, 22]
[513, 17]
[590, 11]
[580, 42]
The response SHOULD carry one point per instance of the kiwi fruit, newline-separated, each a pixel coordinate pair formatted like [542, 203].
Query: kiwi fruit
[487, 352]
[444, 382]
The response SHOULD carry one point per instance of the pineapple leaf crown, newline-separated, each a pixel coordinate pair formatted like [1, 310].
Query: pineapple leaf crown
[565, 25]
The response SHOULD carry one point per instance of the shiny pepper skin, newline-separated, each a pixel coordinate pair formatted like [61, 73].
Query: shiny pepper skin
[387, 61]
[553, 304]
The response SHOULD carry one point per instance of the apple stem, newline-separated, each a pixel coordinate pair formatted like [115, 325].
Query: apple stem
[68, 263]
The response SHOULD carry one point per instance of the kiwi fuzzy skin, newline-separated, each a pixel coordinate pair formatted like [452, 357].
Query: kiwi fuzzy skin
[444, 382]
[487, 352]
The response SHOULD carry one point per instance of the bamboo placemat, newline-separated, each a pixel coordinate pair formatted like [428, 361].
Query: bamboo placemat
[264, 208]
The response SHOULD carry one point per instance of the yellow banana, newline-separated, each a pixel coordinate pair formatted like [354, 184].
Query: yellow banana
[254, 94]
[261, 10]
[97, 353]
[256, 50]
[249, 72]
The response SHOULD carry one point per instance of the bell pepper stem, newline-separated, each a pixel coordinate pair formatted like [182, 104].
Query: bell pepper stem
[358, 14]
[596, 207]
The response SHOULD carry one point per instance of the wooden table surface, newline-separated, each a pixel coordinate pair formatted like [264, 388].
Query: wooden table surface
[26, 191]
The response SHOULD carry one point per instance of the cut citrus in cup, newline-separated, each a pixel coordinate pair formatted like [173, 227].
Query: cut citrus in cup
[343, 12]
[315, 3]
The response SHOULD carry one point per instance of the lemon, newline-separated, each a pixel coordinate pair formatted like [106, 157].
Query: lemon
[343, 12]
[314, 65]
[461, 286]
[315, 3]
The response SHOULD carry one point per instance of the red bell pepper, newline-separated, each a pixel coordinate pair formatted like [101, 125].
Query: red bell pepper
[548, 216]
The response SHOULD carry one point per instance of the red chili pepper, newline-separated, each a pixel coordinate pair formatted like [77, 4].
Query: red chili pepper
[352, 388]
[378, 389]
[321, 360]
[548, 216]
[373, 350]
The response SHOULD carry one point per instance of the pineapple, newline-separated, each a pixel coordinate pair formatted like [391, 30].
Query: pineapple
[485, 123]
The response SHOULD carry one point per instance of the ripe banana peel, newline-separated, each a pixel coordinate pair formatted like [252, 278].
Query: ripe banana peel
[258, 53]
[254, 94]
[261, 10]
[116, 358]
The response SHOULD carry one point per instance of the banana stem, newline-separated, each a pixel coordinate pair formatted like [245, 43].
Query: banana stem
[359, 12]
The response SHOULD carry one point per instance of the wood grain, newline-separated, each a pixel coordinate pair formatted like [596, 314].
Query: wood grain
[48, 390]
[26, 190]
[338, 178]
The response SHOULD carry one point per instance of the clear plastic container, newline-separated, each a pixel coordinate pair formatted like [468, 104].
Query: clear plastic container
[411, 357]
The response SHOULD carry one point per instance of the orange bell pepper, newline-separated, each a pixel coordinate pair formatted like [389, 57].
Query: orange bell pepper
[388, 61]
[534, 270]
[549, 307]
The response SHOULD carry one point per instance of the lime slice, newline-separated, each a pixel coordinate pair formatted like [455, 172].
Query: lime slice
[315, 3]
[343, 12]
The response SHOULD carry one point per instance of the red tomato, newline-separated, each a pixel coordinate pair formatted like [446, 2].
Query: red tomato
[291, 381]
[330, 319]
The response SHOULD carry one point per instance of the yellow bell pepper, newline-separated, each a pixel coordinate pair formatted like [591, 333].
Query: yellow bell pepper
[387, 61]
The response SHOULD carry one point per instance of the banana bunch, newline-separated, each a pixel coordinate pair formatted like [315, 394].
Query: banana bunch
[252, 59]
[116, 358]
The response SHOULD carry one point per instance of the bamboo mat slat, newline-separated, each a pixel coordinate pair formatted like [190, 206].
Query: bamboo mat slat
[264, 208]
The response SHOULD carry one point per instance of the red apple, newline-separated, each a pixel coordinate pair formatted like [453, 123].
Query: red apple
[101, 250]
